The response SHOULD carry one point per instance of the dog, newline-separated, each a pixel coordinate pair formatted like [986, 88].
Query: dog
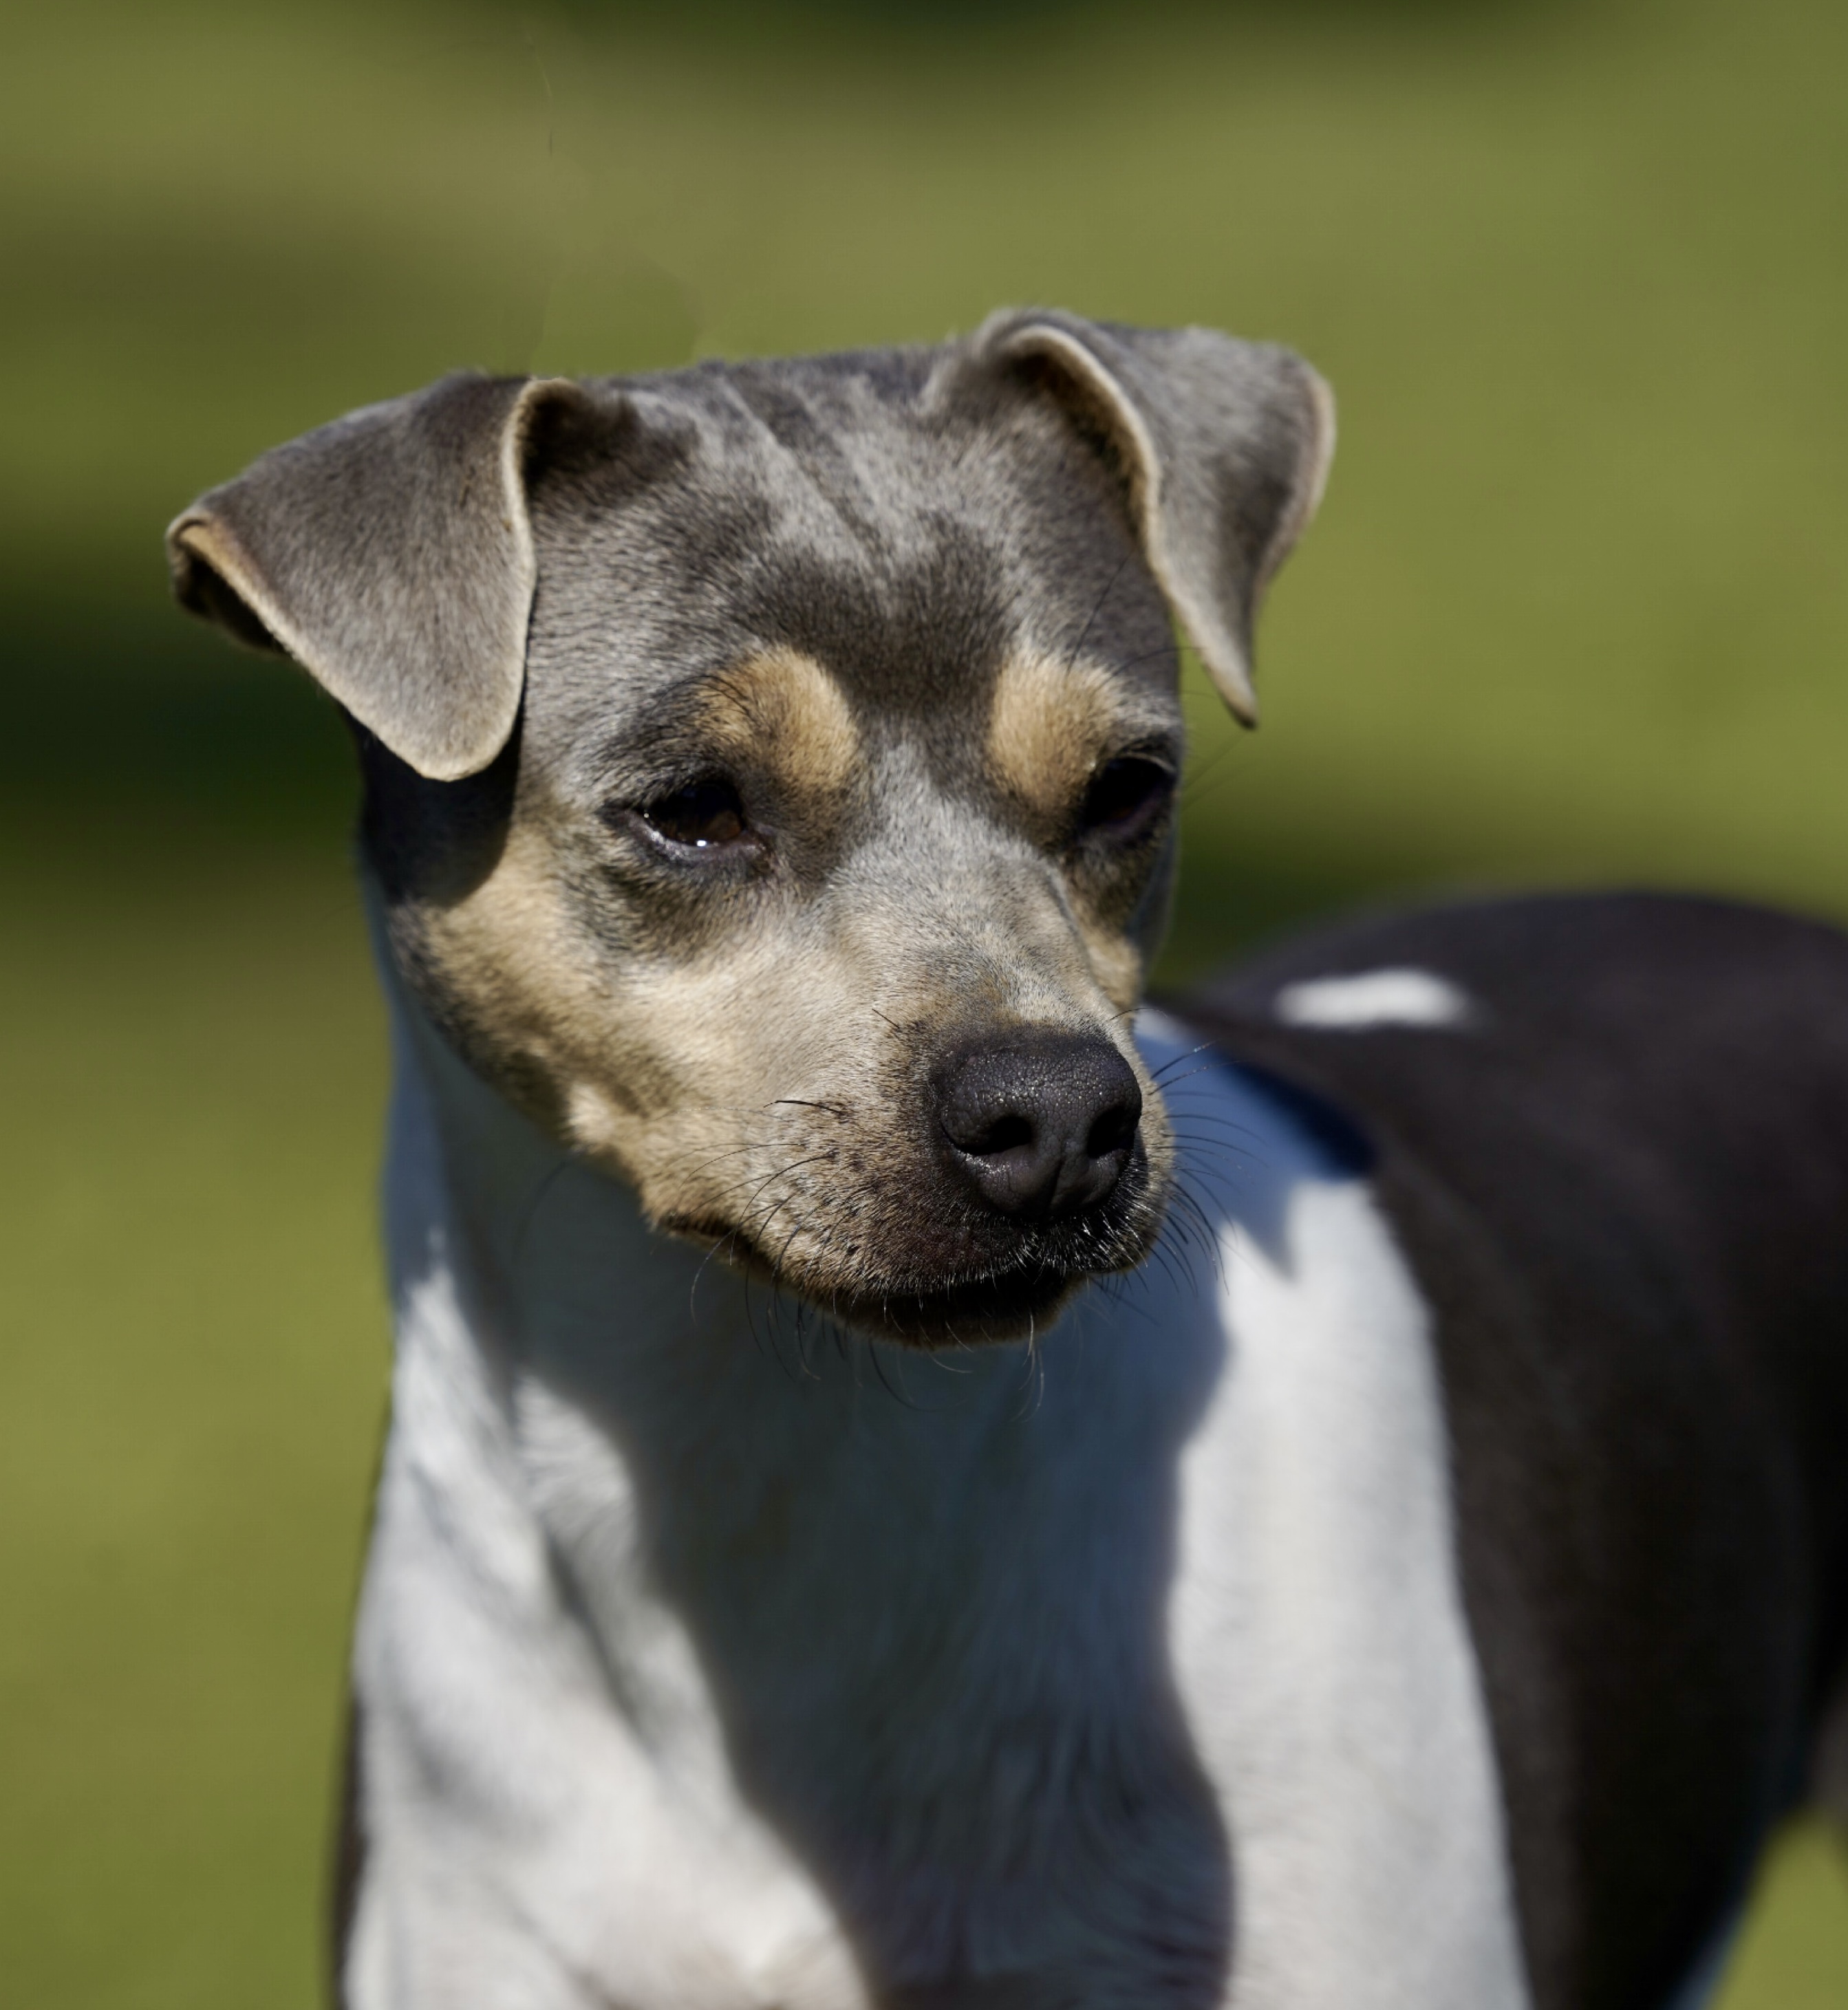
[914, 1478]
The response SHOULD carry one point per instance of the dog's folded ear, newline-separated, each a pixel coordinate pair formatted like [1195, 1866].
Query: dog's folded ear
[1222, 446]
[391, 555]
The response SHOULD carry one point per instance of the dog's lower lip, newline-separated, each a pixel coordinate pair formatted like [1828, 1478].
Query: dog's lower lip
[1010, 1307]
[739, 1249]
[1009, 1298]
[1011, 1295]
[1003, 1305]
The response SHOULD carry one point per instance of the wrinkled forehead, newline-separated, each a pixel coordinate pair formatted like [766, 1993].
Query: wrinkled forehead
[932, 559]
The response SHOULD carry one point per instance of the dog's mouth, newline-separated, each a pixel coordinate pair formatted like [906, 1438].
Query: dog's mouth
[978, 1311]
[993, 1283]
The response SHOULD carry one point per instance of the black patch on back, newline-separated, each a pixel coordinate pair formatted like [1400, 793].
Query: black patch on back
[1625, 1193]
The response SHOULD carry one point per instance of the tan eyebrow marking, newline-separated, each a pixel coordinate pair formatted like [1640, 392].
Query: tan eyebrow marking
[783, 706]
[1049, 722]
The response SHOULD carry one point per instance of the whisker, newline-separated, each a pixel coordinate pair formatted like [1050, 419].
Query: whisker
[1167, 1067]
[877, 1352]
[531, 1214]
[1207, 769]
[1084, 633]
[1149, 655]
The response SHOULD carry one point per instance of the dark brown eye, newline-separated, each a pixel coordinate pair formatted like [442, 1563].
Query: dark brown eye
[704, 813]
[1125, 797]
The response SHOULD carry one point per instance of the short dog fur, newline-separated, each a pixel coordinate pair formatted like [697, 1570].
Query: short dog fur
[911, 1485]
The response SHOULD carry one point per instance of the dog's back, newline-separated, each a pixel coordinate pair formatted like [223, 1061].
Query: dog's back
[1612, 1135]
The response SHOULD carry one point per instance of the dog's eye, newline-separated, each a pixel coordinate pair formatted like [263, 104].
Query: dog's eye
[704, 813]
[1125, 797]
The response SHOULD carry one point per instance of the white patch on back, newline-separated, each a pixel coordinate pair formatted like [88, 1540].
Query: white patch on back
[1374, 998]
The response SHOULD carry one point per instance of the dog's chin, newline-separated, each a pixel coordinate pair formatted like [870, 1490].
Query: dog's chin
[979, 1312]
[1011, 1302]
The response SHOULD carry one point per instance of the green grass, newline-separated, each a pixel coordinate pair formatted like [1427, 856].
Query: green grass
[192, 1384]
[1577, 610]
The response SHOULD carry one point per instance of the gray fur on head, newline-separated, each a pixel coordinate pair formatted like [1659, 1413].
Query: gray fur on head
[1225, 446]
[910, 614]
[390, 554]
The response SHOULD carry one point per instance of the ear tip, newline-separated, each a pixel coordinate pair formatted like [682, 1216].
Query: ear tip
[1230, 671]
[461, 737]
[454, 764]
[1243, 705]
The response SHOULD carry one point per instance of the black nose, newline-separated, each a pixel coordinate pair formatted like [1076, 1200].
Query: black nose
[1041, 1123]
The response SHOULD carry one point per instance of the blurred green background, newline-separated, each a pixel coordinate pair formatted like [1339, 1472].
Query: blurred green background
[1576, 611]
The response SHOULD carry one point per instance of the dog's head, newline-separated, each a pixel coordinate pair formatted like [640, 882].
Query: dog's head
[770, 768]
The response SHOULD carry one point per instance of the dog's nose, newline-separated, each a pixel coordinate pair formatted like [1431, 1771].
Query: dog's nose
[1041, 1123]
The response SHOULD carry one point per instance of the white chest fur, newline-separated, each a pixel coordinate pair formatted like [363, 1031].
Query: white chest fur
[705, 1661]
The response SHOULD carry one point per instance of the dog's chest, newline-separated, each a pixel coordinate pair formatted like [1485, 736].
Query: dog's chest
[726, 1671]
